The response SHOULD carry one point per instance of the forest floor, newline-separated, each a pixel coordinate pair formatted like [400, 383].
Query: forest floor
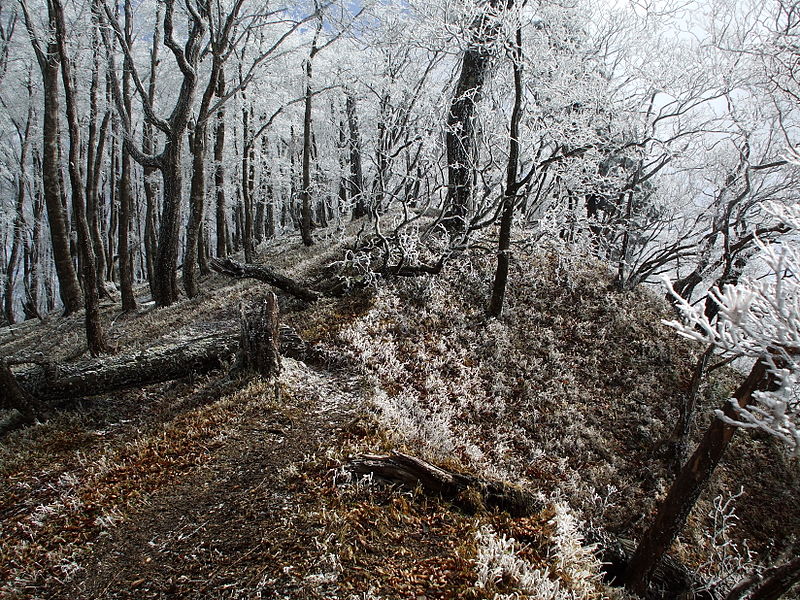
[220, 487]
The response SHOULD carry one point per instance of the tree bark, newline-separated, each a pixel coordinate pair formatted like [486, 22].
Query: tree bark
[356, 172]
[259, 339]
[48, 59]
[16, 397]
[460, 140]
[772, 584]
[219, 173]
[95, 336]
[305, 192]
[688, 485]
[165, 361]
[18, 231]
[125, 192]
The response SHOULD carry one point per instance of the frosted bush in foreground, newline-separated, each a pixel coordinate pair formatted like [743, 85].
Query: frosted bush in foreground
[573, 571]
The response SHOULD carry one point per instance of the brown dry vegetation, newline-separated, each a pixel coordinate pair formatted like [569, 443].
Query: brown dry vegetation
[219, 488]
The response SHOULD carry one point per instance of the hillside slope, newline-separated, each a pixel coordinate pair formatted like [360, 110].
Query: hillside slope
[229, 488]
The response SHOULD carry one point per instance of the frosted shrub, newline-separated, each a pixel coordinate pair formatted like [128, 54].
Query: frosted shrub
[497, 561]
[574, 562]
[572, 571]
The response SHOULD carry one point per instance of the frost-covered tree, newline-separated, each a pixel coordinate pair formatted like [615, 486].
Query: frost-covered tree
[758, 319]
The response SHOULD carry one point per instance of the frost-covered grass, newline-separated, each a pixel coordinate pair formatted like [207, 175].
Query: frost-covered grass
[573, 392]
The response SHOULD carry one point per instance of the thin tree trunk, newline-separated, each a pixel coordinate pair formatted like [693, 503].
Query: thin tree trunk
[356, 172]
[223, 236]
[18, 232]
[689, 483]
[510, 196]
[125, 191]
[305, 191]
[246, 187]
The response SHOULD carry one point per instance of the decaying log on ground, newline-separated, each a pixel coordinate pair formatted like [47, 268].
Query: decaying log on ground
[465, 491]
[15, 397]
[259, 338]
[237, 270]
[162, 362]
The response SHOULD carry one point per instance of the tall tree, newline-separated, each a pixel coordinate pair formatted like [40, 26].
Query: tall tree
[95, 336]
[170, 160]
[47, 56]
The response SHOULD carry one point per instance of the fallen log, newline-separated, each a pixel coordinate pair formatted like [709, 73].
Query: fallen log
[468, 492]
[16, 397]
[237, 270]
[163, 362]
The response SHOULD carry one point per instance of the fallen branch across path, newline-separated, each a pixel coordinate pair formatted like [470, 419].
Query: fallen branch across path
[237, 270]
[465, 491]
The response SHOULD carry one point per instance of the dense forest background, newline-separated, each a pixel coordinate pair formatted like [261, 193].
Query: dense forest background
[148, 144]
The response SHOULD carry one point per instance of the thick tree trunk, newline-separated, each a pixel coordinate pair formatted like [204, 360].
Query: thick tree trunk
[165, 271]
[69, 288]
[16, 397]
[465, 491]
[688, 485]
[461, 138]
[259, 340]
[772, 584]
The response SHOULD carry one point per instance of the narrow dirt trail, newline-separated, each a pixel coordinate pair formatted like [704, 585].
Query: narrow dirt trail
[244, 524]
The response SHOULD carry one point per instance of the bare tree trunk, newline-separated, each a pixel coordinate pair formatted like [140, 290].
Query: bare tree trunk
[305, 191]
[460, 141]
[69, 288]
[772, 584]
[246, 187]
[125, 191]
[149, 148]
[16, 397]
[688, 485]
[259, 341]
[30, 304]
[510, 196]
[94, 163]
[165, 269]
[18, 232]
[95, 336]
[219, 174]
[356, 172]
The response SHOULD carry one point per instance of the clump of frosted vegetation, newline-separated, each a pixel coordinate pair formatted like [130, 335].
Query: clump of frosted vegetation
[571, 570]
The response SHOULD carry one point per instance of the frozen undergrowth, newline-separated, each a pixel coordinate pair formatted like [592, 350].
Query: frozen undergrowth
[569, 571]
[527, 398]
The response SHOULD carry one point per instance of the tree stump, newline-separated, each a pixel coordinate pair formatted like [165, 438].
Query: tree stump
[260, 338]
